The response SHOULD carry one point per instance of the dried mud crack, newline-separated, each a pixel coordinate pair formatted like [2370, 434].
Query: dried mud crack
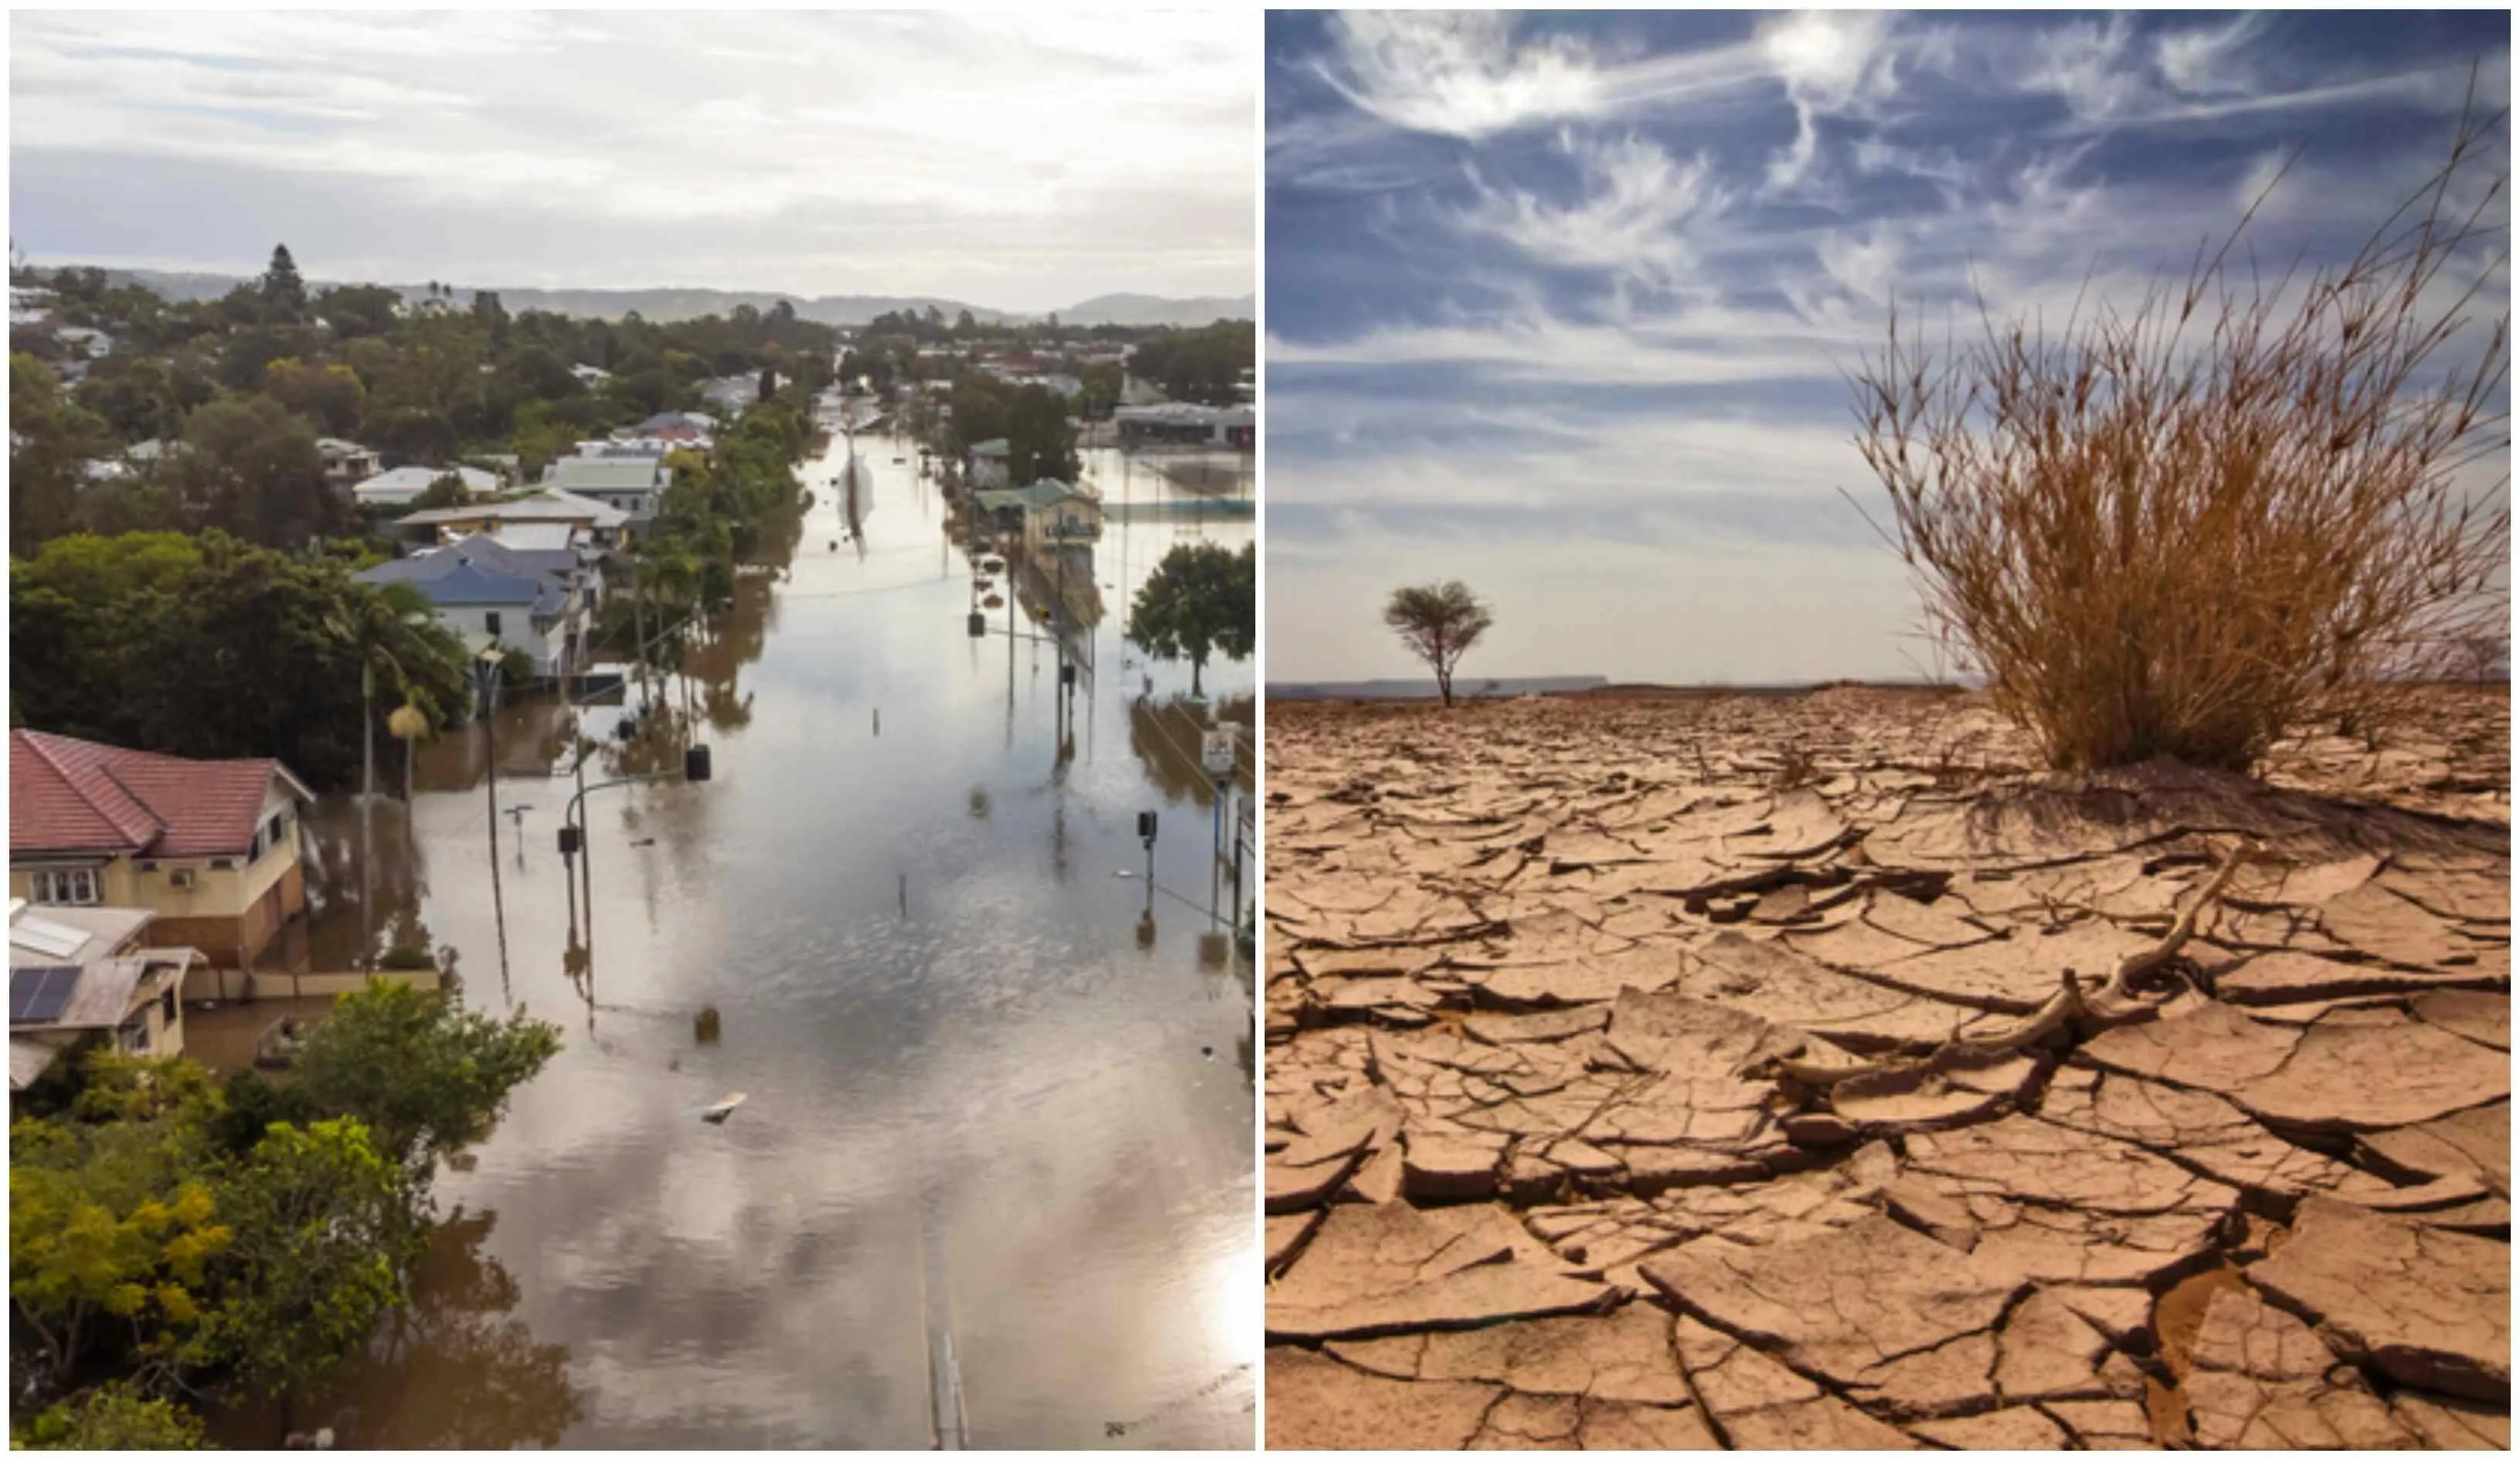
[1670, 1072]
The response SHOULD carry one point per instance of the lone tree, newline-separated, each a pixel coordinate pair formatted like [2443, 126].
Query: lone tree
[283, 294]
[2237, 507]
[1439, 622]
[1199, 599]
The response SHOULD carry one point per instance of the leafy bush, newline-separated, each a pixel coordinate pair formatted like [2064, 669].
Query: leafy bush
[113, 1416]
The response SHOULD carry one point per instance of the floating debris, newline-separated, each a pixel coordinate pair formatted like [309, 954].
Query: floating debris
[716, 1114]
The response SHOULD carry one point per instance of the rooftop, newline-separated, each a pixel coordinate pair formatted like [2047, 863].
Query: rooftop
[1046, 492]
[547, 506]
[608, 474]
[414, 481]
[75, 796]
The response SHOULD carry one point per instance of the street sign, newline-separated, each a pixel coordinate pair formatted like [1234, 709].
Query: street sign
[1216, 752]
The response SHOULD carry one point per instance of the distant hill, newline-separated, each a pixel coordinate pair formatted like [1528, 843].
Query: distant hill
[1145, 312]
[665, 305]
[1424, 689]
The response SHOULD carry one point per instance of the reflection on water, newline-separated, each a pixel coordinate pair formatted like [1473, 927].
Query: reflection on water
[988, 1091]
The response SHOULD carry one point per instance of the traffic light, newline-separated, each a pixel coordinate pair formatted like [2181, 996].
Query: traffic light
[696, 764]
[568, 841]
[979, 625]
[1147, 827]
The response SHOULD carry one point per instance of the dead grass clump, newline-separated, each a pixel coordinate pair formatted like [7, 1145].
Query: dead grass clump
[2236, 509]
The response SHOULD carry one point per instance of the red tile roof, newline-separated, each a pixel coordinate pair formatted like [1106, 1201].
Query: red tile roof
[73, 796]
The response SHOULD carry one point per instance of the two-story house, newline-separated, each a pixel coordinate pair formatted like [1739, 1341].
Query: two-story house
[209, 846]
[1049, 514]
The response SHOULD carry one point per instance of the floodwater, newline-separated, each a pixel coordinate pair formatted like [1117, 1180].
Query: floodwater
[999, 1096]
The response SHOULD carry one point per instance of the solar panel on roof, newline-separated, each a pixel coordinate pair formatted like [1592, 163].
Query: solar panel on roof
[37, 995]
[45, 936]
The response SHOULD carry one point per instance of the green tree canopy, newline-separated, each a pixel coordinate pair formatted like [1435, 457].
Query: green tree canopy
[251, 468]
[50, 440]
[425, 1074]
[283, 294]
[211, 647]
[1199, 600]
[113, 1416]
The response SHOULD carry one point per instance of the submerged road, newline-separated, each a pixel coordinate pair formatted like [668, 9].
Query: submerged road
[998, 1118]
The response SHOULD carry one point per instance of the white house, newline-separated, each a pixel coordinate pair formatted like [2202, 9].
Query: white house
[631, 484]
[987, 470]
[487, 591]
[404, 485]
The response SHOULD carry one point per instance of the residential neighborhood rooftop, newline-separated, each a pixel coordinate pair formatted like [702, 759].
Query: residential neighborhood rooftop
[69, 794]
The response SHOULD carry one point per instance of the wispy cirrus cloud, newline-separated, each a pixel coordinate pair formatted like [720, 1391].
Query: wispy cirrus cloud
[1546, 287]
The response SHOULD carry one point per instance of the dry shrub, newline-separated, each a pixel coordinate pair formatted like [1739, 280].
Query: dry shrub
[2185, 529]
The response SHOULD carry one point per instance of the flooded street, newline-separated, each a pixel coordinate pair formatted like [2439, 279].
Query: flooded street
[990, 1097]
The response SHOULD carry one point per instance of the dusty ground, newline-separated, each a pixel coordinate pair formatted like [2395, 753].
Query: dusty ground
[1671, 1072]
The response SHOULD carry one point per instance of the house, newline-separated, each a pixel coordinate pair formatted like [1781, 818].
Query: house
[670, 424]
[346, 461]
[491, 593]
[404, 485]
[144, 455]
[76, 972]
[1051, 513]
[633, 484]
[604, 526]
[731, 394]
[590, 376]
[987, 470]
[1177, 422]
[94, 345]
[209, 846]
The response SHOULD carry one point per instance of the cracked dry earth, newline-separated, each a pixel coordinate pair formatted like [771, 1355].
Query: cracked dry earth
[1638, 1079]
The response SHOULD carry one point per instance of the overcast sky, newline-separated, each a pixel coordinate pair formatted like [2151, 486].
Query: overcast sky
[1560, 304]
[1021, 162]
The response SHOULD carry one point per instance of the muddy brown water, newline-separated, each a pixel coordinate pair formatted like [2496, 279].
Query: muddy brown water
[988, 1093]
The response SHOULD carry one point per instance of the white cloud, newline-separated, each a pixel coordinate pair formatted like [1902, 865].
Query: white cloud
[1632, 220]
[951, 152]
[1472, 75]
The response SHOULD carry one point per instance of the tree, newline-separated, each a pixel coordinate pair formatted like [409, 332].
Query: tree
[251, 468]
[209, 646]
[358, 310]
[421, 1070]
[113, 1416]
[324, 1223]
[110, 1231]
[283, 294]
[1199, 599]
[2228, 511]
[50, 442]
[447, 491]
[329, 395]
[1439, 622]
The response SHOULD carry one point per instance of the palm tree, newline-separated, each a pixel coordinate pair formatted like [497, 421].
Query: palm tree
[397, 616]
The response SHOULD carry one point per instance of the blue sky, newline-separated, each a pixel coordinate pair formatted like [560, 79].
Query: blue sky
[1017, 161]
[1561, 304]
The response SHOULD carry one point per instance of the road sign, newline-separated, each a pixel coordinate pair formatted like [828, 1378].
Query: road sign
[1216, 752]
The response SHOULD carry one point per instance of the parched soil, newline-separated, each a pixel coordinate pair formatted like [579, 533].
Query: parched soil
[1696, 1070]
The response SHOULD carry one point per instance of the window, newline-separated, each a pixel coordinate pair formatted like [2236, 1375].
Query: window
[65, 886]
[490, 623]
[134, 1036]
